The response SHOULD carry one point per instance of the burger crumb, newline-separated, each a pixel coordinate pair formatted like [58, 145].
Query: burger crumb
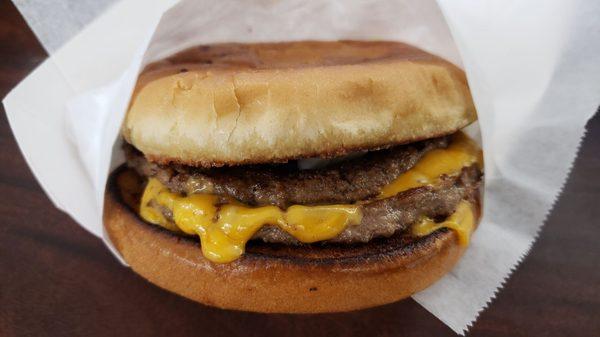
[312, 289]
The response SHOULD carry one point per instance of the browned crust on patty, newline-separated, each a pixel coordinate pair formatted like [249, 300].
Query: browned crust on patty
[282, 185]
[278, 278]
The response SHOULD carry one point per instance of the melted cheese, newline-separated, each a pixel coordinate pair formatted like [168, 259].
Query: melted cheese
[152, 214]
[462, 152]
[462, 221]
[225, 229]
[318, 223]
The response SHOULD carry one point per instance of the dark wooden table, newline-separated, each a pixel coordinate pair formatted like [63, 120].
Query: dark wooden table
[58, 280]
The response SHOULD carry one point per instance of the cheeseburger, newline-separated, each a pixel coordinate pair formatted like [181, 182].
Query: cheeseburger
[296, 177]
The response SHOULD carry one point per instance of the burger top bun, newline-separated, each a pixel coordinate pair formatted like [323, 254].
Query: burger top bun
[231, 104]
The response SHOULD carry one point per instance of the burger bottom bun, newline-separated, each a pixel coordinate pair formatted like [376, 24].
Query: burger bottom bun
[276, 278]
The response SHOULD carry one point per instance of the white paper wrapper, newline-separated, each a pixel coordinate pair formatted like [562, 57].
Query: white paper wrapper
[532, 67]
[55, 22]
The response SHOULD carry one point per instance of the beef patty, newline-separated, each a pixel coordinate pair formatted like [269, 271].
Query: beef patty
[283, 185]
[384, 217]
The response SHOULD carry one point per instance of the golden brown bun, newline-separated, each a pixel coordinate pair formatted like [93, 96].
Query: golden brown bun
[278, 278]
[252, 103]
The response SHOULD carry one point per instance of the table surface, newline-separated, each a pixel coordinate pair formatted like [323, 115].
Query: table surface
[57, 279]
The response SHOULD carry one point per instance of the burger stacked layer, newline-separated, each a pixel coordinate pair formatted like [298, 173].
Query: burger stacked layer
[417, 188]
[297, 176]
